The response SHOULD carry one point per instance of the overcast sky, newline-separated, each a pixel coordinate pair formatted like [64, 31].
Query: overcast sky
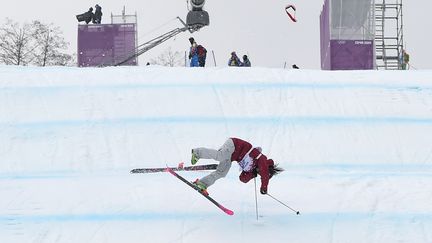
[258, 28]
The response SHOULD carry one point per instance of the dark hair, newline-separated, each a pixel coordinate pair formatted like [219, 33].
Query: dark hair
[275, 170]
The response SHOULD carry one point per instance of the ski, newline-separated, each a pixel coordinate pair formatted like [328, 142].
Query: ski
[179, 168]
[227, 211]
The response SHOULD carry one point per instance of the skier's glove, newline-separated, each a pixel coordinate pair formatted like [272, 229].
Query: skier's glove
[255, 172]
[263, 191]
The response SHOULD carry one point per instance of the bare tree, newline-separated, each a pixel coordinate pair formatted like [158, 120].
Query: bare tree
[50, 44]
[36, 43]
[16, 43]
[168, 58]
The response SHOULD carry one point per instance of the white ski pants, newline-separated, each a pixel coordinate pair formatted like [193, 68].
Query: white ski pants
[223, 155]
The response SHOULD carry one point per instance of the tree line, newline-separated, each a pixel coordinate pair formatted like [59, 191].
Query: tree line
[34, 43]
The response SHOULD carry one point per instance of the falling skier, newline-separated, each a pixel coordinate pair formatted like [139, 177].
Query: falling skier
[249, 158]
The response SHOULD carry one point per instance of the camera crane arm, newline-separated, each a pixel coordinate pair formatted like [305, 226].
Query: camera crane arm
[141, 49]
[195, 20]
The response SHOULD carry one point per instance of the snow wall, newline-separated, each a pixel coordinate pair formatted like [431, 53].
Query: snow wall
[356, 147]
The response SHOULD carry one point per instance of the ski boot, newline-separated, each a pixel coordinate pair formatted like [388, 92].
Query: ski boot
[201, 187]
[194, 158]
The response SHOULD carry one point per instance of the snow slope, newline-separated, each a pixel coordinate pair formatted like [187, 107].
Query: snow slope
[356, 147]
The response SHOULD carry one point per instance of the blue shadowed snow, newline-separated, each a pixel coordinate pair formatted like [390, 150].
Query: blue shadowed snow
[347, 169]
[311, 121]
[285, 218]
[150, 216]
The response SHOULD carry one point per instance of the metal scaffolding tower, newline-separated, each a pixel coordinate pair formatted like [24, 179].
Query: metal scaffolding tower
[388, 34]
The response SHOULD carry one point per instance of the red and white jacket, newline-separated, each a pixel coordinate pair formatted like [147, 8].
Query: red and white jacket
[260, 162]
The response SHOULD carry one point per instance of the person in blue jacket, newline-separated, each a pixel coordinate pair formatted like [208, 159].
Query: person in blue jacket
[193, 53]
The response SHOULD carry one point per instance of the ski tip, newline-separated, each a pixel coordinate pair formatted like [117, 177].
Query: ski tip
[227, 211]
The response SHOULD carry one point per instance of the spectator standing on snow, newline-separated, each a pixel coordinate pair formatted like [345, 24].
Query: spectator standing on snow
[250, 159]
[246, 61]
[193, 53]
[202, 55]
[405, 60]
[234, 61]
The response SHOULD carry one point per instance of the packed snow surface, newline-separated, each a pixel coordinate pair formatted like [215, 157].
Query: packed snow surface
[356, 147]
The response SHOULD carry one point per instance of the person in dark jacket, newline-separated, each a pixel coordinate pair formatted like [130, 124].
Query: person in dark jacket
[202, 55]
[86, 17]
[234, 61]
[246, 61]
[97, 18]
[250, 159]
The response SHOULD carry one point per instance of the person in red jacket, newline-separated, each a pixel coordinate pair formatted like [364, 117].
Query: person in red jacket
[250, 159]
